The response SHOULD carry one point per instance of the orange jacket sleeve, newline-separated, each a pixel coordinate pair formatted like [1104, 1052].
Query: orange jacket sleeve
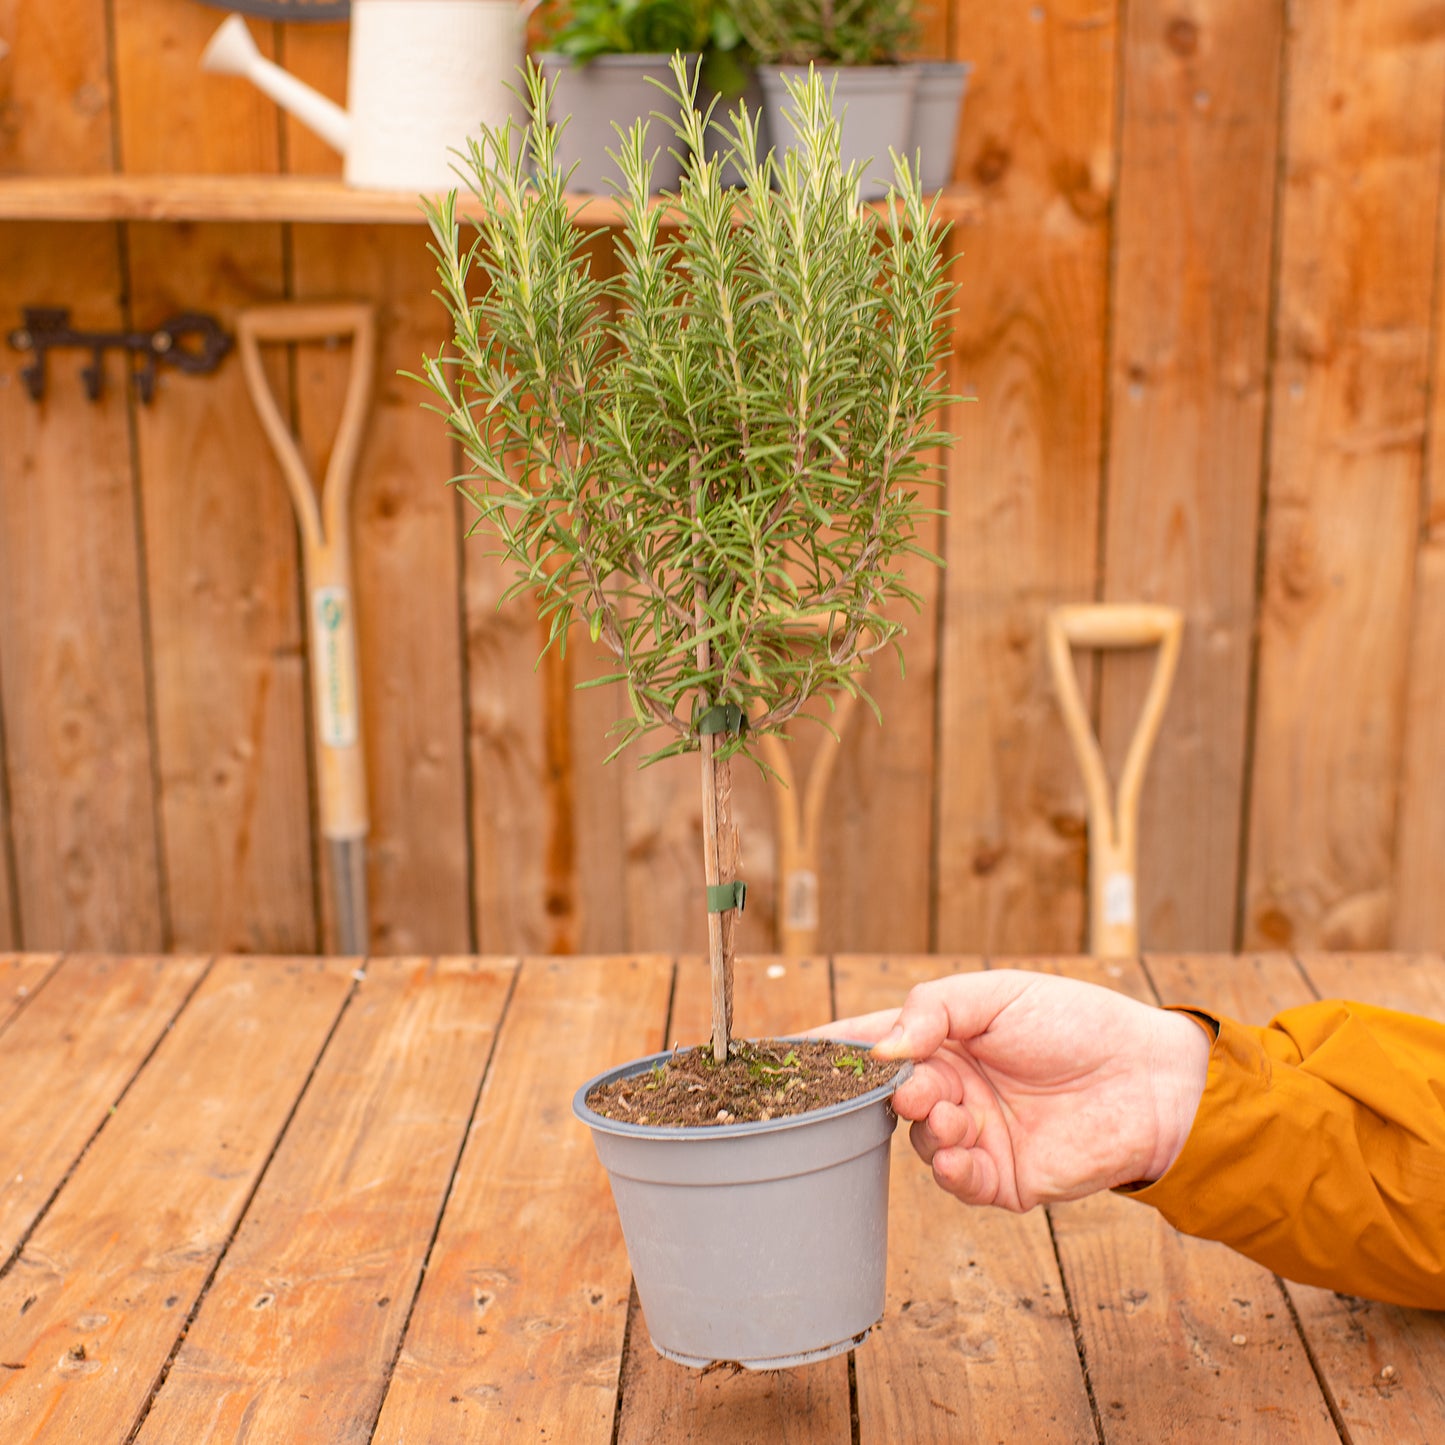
[1319, 1150]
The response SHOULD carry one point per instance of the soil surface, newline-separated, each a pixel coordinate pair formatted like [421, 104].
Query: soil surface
[762, 1079]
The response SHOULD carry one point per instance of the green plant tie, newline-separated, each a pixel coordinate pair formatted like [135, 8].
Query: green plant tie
[722, 717]
[722, 896]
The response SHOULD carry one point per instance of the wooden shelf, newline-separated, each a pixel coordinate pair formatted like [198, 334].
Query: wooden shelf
[319, 199]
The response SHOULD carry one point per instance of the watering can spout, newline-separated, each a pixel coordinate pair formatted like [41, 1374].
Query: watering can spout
[232, 51]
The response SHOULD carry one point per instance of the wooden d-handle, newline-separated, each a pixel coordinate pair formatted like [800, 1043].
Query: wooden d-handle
[799, 821]
[1113, 824]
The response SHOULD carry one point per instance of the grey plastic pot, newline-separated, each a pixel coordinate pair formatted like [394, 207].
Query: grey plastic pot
[875, 106]
[937, 105]
[763, 1245]
[608, 89]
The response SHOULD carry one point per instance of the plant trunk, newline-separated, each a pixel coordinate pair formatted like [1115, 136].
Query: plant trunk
[720, 860]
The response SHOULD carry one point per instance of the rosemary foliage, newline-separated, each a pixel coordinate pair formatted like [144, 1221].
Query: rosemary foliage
[710, 456]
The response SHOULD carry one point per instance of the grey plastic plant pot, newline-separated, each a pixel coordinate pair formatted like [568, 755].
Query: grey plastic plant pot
[763, 1245]
[611, 88]
[875, 106]
[937, 105]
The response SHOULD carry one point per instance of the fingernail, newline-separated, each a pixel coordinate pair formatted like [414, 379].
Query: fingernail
[889, 1045]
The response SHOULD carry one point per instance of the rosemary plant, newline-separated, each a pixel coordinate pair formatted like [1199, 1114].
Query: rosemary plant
[710, 460]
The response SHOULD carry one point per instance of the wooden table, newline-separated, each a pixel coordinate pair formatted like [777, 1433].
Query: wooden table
[298, 1200]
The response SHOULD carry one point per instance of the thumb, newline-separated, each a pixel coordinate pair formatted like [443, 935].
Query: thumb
[959, 1007]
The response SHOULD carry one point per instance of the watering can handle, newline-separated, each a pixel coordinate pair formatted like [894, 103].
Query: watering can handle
[1113, 825]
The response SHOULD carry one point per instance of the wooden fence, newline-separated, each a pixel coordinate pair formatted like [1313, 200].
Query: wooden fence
[1198, 310]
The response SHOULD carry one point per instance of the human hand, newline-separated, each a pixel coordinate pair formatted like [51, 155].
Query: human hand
[1029, 1088]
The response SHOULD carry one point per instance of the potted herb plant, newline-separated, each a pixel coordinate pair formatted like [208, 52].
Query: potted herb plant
[858, 47]
[712, 461]
[604, 65]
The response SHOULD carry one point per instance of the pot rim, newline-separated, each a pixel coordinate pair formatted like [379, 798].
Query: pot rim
[696, 1134]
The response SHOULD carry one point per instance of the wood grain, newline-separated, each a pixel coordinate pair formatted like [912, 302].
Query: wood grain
[518, 1295]
[405, 568]
[1348, 382]
[1198, 151]
[21, 974]
[101, 1291]
[55, 95]
[1023, 488]
[300, 1326]
[976, 1342]
[1204, 1316]
[663, 1401]
[67, 1059]
[72, 634]
[226, 619]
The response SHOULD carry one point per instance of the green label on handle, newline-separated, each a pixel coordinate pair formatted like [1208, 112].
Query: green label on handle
[336, 711]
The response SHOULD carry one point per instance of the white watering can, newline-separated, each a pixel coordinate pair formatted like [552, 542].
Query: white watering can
[422, 75]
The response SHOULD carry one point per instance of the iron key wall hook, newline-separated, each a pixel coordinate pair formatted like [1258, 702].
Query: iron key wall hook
[191, 342]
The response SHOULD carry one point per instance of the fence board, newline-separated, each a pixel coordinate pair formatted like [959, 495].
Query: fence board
[406, 573]
[226, 622]
[54, 91]
[299, 1327]
[72, 666]
[1024, 478]
[173, 116]
[560, 1307]
[92, 1341]
[959, 1373]
[1420, 843]
[1357, 262]
[1191, 293]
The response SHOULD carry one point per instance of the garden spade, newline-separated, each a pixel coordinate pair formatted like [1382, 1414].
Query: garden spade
[324, 519]
[1113, 823]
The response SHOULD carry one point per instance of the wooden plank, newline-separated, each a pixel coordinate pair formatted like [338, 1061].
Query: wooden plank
[175, 195]
[1223, 1356]
[21, 975]
[1189, 335]
[226, 627]
[226, 624]
[316, 53]
[527, 1282]
[406, 571]
[72, 683]
[976, 1342]
[663, 1401]
[1023, 485]
[103, 1288]
[544, 830]
[54, 89]
[299, 1328]
[172, 116]
[875, 879]
[64, 1063]
[1419, 902]
[1348, 419]
[1384, 1366]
